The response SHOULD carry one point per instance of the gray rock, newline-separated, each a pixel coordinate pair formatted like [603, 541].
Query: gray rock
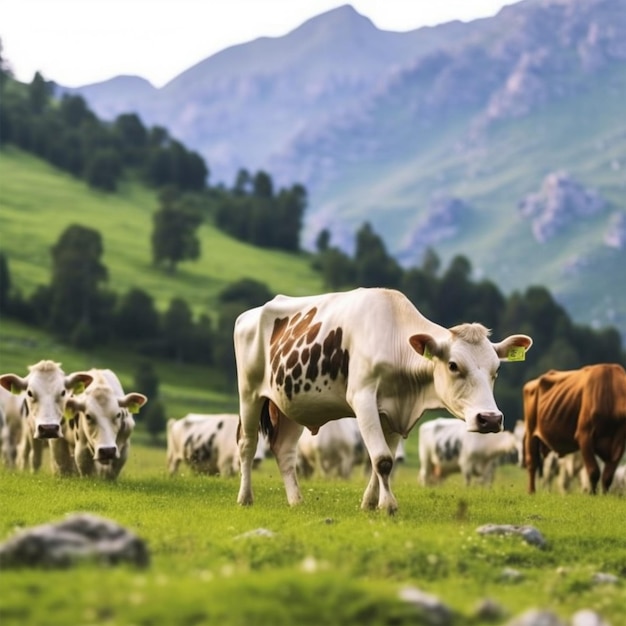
[431, 610]
[602, 578]
[488, 610]
[587, 617]
[528, 533]
[80, 537]
[536, 617]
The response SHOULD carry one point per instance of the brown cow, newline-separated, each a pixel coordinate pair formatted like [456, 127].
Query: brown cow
[573, 410]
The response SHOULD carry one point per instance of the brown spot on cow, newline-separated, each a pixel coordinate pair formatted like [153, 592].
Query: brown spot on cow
[292, 359]
[313, 332]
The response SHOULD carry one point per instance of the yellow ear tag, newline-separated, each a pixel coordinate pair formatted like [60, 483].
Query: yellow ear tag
[79, 387]
[133, 407]
[428, 354]
[15, 390]
[516, 353]
[68, 414]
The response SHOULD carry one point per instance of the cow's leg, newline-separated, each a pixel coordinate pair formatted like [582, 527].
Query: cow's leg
[284, 447]
[615, 450]
[591, 463]
[532, 456]
[36, 453]
[248, 439]
[61, 458]
[369, 421]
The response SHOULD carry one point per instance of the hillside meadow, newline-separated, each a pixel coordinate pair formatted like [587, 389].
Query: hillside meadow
[38, 202]
[323, 562]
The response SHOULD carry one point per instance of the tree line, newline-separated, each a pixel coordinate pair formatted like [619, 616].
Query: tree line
[67, 134]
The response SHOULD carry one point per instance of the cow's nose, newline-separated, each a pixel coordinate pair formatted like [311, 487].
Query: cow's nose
[489, 422]
[106, 454]
[47, 431]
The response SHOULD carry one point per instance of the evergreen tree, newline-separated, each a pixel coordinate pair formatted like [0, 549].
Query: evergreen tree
[75, 289]
[174, 237]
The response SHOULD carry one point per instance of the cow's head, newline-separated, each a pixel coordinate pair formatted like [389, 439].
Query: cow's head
[466, 365]
[104, 416]
[45, 391]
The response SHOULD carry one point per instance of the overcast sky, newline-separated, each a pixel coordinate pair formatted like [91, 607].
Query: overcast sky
[77, 42]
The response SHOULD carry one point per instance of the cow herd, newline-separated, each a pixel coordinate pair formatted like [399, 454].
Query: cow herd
[330, 382]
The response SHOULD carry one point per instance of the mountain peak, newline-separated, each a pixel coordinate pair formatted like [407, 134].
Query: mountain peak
[344, 16]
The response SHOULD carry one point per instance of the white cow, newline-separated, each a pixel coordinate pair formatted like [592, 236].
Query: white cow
[43, 394]
[101, 424]
[333, 451]
[366, 353]
[618, 486]
[11, 426]
[446, 447]
[206, 443]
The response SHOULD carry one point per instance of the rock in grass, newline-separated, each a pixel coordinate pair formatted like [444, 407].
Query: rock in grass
[80, 537]
[431, 609]
[528, 533]
[536, 617]
[587, 617]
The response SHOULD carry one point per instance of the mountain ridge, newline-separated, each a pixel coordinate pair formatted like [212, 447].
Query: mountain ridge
[378, 125]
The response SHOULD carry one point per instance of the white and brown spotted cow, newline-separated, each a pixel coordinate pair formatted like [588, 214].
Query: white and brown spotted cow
[100, 425]
[207, 444]
[43, 394]
[366, 353]
[446, 447]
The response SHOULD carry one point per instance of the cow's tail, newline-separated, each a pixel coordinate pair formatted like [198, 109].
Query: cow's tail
[267, 426]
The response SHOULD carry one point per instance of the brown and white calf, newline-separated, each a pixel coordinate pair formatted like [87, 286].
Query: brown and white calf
[100, 425]
[366, 353]
[42, 395]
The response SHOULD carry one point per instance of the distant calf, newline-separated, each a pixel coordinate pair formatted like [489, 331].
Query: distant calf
[206, 443]
[446, 447]
[101, 424]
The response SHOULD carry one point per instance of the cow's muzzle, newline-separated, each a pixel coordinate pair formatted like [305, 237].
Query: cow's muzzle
[48, 431]
[106, 454]
[489, 422]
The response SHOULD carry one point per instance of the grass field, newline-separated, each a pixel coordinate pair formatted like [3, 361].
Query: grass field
[327, 561]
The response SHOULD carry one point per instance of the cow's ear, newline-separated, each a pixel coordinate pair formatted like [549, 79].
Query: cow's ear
[13, 383]
[132, 401]
[425, 345]
[513, 348]
[72, 406]
[77, 381]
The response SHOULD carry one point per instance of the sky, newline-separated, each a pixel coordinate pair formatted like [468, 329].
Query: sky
[79, 42]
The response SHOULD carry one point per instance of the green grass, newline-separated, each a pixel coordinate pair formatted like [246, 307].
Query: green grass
[327, 563]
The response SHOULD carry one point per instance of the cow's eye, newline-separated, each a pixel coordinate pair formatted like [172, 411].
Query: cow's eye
[452, 366]
[29, 393]
[118, 416]
[63, 393]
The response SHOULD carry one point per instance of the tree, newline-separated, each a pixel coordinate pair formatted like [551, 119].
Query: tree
[75, 289]
[136, 318]
[373, 265]
[5, 284]
[155, 418]
[178, 329]
[174, 237]
[103, 169]
[147, 380]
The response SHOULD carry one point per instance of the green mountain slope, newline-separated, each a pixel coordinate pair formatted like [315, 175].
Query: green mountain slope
[37, 202]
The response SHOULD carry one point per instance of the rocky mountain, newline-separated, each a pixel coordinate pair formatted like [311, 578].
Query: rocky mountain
[503, 139]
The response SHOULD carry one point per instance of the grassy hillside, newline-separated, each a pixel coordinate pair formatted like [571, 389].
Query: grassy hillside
[37, 202]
